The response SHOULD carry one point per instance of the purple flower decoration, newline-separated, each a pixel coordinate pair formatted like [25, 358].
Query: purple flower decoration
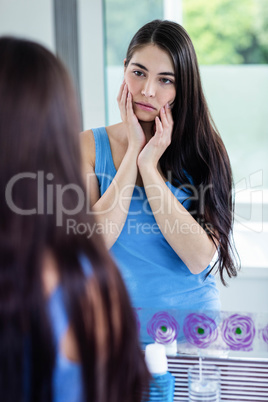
[238, 332]
[264, 333]
[200, 330]
[163, 328]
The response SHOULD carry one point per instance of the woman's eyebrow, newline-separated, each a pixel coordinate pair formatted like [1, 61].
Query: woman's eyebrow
[140, 66]
[167, 73]
[146, 69]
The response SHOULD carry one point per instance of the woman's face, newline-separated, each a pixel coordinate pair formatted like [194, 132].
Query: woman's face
[150, 78]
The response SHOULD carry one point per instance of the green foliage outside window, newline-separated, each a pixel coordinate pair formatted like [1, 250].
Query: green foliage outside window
[223, 31]
[122, 19]
[228, 31]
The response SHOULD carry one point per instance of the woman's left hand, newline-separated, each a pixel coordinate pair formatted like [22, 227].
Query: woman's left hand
[154, 149]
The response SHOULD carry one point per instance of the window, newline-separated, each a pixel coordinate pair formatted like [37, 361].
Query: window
[231, 42]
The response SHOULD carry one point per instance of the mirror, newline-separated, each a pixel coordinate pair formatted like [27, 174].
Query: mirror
[234, 71]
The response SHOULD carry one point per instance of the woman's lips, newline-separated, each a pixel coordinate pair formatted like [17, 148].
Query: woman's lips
[145, 106]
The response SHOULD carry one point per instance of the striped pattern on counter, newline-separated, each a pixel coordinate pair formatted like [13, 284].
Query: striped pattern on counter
[241, 379]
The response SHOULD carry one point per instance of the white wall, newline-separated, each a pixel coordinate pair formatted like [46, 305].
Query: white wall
[34, 19]
[31, 19]
[248, 292]
[91, 63]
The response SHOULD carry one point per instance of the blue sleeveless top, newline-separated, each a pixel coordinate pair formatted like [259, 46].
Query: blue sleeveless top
[154, 274]
[67, 377]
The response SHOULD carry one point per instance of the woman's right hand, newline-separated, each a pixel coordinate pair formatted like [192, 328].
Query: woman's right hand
[136, 137]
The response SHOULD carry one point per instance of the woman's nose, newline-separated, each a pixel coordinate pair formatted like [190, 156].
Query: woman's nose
[148, 89]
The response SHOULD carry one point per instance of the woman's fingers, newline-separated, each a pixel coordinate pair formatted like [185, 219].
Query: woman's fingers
[119, 96]
[124, 95]
[166, 117]
[130, 112]
[164, 126]
[169, 114]
[163, 116]
[122, 99]
[131, 117]
[158, 126]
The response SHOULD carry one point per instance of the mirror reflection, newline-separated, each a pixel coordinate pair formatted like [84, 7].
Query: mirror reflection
[234, 74]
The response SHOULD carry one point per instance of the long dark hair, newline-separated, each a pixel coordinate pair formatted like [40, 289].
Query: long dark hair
[196, 157]
[39, 140]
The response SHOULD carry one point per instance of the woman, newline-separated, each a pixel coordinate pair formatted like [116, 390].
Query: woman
[160, 181]
[67, 329]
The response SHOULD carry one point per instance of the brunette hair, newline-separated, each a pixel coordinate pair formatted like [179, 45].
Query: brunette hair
[39, 126]
[196, 157]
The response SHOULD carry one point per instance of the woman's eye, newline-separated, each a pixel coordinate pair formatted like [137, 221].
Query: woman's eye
[166, 81]
[138, 73]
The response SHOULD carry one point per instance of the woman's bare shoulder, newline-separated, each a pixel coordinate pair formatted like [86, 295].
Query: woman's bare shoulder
[117, 138]
[87, 143]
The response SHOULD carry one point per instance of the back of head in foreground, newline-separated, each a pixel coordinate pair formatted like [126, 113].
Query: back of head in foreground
[39, 158]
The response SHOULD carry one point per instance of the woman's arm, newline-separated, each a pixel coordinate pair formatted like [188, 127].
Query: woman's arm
[187, 238]
[112, 207]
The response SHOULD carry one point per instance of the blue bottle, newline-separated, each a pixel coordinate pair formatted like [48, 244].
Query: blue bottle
[163, 383]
